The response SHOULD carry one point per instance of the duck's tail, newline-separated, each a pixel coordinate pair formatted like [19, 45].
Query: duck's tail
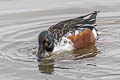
[89, 18]
[93, 13]
[92, 18]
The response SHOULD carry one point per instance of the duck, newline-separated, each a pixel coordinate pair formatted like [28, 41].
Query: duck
[69, 34]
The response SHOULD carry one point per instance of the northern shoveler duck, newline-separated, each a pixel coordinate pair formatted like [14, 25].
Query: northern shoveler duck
[73, 34]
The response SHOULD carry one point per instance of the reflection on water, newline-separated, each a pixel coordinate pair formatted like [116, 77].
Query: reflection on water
[87, 52]
[47, 64]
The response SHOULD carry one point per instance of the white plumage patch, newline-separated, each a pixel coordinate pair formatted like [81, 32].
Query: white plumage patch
[95, 33]
[64, 45]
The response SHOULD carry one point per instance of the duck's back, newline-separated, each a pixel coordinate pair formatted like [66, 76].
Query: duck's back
[61, 28]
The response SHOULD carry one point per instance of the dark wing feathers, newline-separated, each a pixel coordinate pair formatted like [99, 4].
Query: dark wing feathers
[63, 27]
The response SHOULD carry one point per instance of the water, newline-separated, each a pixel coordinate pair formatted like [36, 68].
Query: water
[21, 22]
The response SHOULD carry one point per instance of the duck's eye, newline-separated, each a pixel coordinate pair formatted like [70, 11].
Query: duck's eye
[46, 39]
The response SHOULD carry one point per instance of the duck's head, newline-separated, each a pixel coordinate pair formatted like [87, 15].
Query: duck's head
[46, 43]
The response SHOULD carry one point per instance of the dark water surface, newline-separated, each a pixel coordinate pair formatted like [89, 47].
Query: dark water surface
[21, 22]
